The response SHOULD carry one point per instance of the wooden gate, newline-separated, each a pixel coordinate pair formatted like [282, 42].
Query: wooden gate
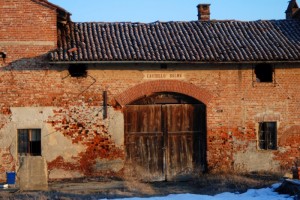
[165, 142]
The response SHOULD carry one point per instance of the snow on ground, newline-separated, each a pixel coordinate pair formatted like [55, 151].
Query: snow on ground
[255, 194]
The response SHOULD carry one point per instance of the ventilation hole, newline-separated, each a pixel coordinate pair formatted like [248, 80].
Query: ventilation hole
[264, 73]
[78, 70]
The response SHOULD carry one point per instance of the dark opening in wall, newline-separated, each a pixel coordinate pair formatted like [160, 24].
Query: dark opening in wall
[264, 73]
[163, 66]
[2, 55]
[78, 70]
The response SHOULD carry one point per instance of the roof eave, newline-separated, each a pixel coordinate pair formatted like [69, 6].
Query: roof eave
[170, 62]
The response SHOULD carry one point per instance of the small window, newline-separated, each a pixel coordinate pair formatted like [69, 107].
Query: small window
[29, 142]
[78, 70]
[264, 73]
[267, 135]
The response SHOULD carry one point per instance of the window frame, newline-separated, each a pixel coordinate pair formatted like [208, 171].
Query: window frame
[267, 136]
[29, 142]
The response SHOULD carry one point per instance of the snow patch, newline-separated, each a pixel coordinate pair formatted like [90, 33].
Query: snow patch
[255, 194]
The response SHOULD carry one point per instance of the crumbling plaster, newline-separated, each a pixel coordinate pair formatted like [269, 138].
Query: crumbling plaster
[53, 143]
[116, 126]
[251, 159]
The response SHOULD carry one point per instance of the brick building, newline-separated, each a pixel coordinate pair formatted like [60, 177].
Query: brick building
[163, 99]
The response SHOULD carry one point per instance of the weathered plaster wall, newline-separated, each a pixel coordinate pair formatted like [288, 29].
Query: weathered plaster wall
[84, 125]
[68, 155]
[252, 159]
[33, 174]
[53, 143]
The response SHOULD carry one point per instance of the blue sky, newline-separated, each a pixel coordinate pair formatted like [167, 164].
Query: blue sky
[170, 10]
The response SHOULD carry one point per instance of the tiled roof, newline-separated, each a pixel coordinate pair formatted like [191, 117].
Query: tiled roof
[196, 41]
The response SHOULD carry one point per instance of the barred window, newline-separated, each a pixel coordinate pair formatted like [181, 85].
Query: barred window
[29, 142]
[267, 135]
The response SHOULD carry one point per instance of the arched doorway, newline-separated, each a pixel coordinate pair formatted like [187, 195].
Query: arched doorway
[165, 136]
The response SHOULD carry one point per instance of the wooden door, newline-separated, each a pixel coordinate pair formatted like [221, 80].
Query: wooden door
[144, 142]
[165, 142]
[184, 122]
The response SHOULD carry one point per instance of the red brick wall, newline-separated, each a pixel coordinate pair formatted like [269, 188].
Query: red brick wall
[28, 29]
[234, 103]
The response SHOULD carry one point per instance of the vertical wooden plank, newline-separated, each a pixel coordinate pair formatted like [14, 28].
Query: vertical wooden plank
[165, 155]
[180, 130]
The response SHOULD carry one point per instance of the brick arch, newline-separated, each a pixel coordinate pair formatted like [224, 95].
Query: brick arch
[147, 88]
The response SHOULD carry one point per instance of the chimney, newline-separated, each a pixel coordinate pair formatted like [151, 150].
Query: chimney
[293, 10]
[203, 12]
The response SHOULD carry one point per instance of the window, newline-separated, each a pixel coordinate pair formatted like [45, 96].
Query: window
[29, 142]
[267, 134]
[78, 70]
[264, 73]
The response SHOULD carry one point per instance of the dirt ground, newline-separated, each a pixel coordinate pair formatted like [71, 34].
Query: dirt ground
[110, 188]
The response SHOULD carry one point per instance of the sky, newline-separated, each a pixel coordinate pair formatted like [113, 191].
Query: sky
[170, 10]
[251, 194]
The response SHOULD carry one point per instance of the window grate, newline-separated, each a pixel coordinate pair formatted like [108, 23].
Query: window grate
[268, 135]
[29, 142]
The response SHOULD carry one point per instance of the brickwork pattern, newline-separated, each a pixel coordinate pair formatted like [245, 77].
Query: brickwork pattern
[234, 107]
[28, 29]
[234, 102]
